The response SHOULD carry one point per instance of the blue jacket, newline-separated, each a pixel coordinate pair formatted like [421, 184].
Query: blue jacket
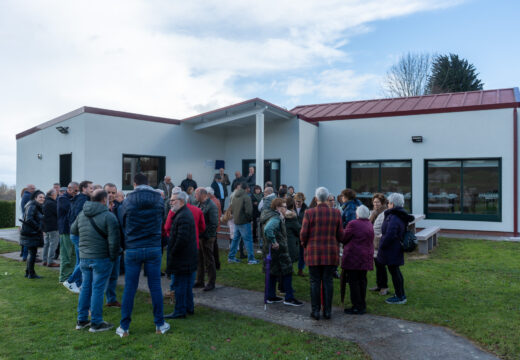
[26, 197]
[64, 202]
[76, 206]
[142, 214]
[349, 211]
[393, 229]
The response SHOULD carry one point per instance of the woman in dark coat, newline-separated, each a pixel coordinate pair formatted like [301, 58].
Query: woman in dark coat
[31, 235]
[358, 254]
[390, 252]
[275, 236]
[300, 207]
[293, 228]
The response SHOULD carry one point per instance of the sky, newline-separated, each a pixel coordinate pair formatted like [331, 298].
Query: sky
[177, 58]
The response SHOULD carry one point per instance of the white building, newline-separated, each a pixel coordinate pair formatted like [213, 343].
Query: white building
[454, 156]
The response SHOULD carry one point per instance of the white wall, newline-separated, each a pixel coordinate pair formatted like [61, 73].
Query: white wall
[471, 134]
[281, 142]
[50, 143]
[308, 158]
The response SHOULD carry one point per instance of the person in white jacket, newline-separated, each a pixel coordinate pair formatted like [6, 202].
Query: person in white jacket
[377, 216]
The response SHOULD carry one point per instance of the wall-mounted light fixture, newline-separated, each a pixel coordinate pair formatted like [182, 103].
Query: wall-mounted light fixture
[63, 129]
[39, 156]
[417, 139]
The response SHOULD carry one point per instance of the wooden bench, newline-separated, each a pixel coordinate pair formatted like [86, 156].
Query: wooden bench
[427, 239]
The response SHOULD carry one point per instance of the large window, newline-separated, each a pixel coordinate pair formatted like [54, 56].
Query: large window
[152, 166]
[458, 189]
[388, 176]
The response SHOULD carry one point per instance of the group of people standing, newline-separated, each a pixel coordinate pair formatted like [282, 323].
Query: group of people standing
[97, 227]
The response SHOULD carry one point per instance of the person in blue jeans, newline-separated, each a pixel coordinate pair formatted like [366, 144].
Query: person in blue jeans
[242, 209]
[110, 291]
[99, 235]
[142, 215]
[73, 283]
[182, 255]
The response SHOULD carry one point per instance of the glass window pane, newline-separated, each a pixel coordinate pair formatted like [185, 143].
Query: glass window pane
[150, 167]
[396, 176]
[129, 171]
[481, 187]
[364, 180]
[444, 187]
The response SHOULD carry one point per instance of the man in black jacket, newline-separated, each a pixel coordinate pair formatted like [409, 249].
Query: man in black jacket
[182, 255]
[51, 237]
[207, 240]
[237, 181]
[188, 182]
[219, 190]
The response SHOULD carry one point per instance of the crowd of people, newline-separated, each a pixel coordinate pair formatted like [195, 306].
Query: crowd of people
[98, 233]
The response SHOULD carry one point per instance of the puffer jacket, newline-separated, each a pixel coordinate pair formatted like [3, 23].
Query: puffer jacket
[393, 229]
[142, 216]
[242, 207]
[31, 234]
[50, 215]
[274, 230]
[293, 227]
[91, 244]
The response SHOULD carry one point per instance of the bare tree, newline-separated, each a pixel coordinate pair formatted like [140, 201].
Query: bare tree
[7, 192]
[409, 76]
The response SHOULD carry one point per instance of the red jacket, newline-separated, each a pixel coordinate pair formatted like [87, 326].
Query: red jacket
[198, 216]
[320, 235]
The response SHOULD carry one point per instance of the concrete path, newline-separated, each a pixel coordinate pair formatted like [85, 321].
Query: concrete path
[10, 234]
[381, 337]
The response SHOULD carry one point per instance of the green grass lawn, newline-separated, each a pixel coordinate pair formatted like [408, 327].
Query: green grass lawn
[8, 246]
[37, 320]
[470, 286]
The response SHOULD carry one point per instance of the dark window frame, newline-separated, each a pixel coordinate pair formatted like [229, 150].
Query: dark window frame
[463, 216]
[161, 171]
[380, 161]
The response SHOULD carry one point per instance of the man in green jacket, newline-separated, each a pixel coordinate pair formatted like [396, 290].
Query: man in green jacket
[98, 231]
[242, 209]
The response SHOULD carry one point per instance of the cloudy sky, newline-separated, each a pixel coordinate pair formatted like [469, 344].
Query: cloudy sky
[176, 59]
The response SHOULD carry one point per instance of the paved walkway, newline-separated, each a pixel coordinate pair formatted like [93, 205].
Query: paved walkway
[381, 337]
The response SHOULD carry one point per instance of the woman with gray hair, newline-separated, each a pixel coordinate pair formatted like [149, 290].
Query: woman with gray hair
[390, 252]
[358, 252]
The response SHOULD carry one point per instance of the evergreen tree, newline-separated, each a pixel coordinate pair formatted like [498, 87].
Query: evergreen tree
[453, 74]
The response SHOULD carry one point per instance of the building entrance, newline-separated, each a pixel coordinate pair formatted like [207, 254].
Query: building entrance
[272, 170]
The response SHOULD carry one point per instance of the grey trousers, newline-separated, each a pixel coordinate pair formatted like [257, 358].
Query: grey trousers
[50, 243]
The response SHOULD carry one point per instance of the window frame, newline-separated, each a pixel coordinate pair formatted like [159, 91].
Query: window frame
[463, 216]
[380, 161]
[161, 171]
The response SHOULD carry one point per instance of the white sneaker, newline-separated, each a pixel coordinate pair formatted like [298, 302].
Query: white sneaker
[122, 333]
[162, 329]
[71, 287]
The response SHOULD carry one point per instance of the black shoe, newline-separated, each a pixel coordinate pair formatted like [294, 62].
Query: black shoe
[315, 315]
[33, 276]
[163, 274]
[209, 287]
[217, 266]
[190, 312]
[275, 299]
[293, 302]
[102, 326]
[354, 311]
[243, 256]
[175, 316]
[326, 315]
[82, 324]
[198, 285]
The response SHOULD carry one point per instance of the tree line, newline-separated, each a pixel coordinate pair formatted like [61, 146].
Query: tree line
[417, 74]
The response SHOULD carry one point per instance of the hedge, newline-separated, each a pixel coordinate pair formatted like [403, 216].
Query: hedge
[7, 213]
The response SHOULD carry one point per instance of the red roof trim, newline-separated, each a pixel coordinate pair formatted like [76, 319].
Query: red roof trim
[98, 111]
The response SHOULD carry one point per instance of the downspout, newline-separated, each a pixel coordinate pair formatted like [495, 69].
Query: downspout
[515, 170]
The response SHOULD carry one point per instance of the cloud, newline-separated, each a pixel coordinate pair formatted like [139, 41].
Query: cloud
[173, 58]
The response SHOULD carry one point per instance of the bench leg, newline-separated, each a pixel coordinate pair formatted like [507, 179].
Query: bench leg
[435, 240]
[430, 243]
[423, 246]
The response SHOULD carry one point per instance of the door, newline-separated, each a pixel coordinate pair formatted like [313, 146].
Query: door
[65, 169]
[272, 170]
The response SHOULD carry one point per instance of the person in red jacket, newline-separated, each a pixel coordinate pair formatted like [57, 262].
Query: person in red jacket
[320, 236]
[200, 226]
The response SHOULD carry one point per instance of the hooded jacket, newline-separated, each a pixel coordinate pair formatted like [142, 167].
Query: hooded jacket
[91, 244]
[241, 207]
[142, 216]
[274, 230]
[393, 229]
[31, 232]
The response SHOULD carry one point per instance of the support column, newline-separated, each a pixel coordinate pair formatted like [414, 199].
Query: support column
[260, 149]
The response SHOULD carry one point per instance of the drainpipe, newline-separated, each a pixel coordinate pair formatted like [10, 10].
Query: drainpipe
[515, 170]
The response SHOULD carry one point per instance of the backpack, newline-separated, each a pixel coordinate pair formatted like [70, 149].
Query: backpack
[409, 241]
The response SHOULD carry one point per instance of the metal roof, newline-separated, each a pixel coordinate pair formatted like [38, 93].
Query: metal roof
[416, 105]
[93, 110]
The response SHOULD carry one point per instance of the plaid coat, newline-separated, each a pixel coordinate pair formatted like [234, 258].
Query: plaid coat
[320, 235]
